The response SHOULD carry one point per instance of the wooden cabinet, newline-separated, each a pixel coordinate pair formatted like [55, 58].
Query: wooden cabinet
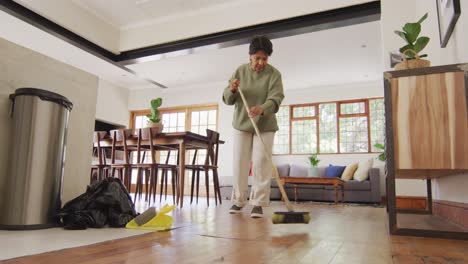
[426, 128]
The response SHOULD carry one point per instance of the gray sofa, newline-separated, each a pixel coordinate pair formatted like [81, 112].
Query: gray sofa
[367, 191]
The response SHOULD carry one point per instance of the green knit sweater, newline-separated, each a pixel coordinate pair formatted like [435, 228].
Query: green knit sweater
[264, 89]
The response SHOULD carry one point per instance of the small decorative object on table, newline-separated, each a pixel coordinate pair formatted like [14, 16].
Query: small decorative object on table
[414, 45]
[154, 120]
[314, 161]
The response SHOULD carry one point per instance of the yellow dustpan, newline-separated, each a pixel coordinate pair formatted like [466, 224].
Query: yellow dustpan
[161, 222]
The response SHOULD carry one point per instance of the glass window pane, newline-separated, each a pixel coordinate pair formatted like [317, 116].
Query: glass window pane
[304, 137]
[328, 128]
[353, 134]
[203, 117]
[303, 111]
[281, 142]
[353, 108]
[212, 117]
[195, 117]
[377, 123]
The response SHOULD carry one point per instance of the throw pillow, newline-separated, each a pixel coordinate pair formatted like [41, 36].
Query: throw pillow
[349, 172]
[362, 172]
[334, 171]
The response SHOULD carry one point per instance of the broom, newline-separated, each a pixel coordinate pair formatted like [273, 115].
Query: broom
[289, 217]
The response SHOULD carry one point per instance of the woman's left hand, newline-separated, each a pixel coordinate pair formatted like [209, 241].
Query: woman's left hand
[255, 111]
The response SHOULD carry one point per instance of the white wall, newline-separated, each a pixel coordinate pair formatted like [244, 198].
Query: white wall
[80, 21]
[21, 67]
[112, 103]
[233, 15]
[452, 188]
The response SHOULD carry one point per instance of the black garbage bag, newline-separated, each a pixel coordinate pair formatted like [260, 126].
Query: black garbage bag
[106, 202]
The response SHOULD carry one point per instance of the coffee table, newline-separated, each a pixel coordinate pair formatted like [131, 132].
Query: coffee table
[336, 182]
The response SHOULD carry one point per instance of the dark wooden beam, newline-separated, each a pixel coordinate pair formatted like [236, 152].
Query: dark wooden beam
[55, 29]
[277, 29]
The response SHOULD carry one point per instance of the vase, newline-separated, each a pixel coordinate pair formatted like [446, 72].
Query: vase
[155, 128]
[313, 172]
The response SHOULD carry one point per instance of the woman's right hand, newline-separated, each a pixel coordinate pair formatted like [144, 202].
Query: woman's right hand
[234, 85]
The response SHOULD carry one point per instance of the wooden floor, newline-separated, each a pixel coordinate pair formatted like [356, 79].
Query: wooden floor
[336, 234]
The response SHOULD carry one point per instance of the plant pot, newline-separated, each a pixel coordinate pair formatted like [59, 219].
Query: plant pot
[155, 128]
[412, 63]
[313, 172]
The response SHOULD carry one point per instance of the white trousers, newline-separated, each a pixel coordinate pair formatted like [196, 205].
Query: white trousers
[248, 147]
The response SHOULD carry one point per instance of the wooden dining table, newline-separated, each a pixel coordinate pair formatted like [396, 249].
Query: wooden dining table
[182, 141]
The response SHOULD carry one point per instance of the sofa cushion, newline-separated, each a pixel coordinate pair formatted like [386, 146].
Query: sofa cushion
[334, 171]
[357, 185]
[283, 169]
[362, 172]
[349, 172]
[298, 171]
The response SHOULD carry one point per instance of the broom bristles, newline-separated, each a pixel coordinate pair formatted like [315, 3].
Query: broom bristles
[291, 217]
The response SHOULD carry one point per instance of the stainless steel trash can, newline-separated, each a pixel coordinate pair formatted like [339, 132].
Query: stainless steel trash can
[33, 187]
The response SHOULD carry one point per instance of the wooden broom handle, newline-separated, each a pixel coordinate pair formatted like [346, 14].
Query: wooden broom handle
[266, 152]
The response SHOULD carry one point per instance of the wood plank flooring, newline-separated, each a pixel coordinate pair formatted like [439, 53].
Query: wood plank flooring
[336, 234]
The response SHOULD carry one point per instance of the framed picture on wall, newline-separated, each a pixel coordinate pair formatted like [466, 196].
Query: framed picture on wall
[448, 12]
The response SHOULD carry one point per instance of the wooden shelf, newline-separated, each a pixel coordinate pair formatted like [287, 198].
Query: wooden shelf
[427, 222]
[426, 116]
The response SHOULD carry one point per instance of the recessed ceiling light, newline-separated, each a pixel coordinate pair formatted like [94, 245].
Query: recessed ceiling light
[363, 46]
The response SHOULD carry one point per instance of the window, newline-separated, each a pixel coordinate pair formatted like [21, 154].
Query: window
[194, 118]
[352, 126]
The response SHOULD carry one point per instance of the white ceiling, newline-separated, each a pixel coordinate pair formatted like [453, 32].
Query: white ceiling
[342, 55]
[331, 57]
[131, 13]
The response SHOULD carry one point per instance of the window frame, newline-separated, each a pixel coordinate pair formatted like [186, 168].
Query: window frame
[292, 118]
[187, 109]
[339, 115]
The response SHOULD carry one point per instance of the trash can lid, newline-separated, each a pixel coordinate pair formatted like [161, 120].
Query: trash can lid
[44, 95]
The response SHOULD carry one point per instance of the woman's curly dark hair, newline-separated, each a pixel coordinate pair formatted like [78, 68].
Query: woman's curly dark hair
[261, 43]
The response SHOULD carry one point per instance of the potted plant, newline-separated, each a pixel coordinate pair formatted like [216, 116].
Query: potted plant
[154, 119]
[414, 45]
[381, 156]
[314, 161]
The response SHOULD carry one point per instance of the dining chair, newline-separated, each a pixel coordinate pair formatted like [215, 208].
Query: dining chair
[99, 167]
[152, 167]
[210, 164]
[123, 167]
